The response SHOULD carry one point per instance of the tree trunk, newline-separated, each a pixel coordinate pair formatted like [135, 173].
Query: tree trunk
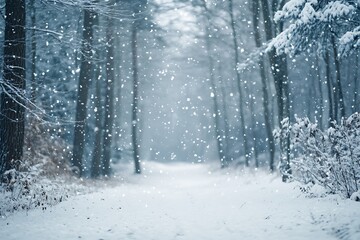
[356, 85]
[239, 83]
[264, 88]
[226, 132]
[329, 87]
[83, 89]
[97, 153]
[33, 52]
[254, 150]
[135, 104]
[96, 163]
[109, 98]
[339, 92]
[12, 110]
[310, 105]
[279, 71]
[321, 97]
[214, 94]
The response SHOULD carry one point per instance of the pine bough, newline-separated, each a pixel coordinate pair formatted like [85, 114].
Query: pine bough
[315, 22]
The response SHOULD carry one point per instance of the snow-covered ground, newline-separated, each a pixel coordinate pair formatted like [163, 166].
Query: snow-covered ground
[186, 201]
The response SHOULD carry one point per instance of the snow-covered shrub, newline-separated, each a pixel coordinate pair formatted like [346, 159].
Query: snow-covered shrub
[330, 158]
[25, 190]
[40, 179]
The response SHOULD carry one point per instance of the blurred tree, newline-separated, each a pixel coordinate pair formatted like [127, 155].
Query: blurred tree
[86, 73]
[265, 86]
[239, 82]
[109, 97]
[139, 22]
[218, 116]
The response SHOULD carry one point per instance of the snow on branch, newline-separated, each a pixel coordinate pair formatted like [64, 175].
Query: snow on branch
[313, 22]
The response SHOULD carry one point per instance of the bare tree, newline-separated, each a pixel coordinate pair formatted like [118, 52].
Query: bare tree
[86, 70]
[96, 163]
[135, 103]
[339, 101]
[329, 86]
[109, 97]
[239, 82]
[97, 152]
[217, 116]
[264, 86]
[321, 94]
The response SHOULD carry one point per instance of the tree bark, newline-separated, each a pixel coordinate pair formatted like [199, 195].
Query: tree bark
[321, 95]
[12, 110]
[239, 83]
[279, 71]
[97, 152]
[33, 52]
[109, 100]
[338, 89]
[135, 104]
[356, 85]
[86, 66]
[329, 87]
[264, 86]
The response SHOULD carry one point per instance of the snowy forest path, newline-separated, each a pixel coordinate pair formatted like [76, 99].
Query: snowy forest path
[190, 201]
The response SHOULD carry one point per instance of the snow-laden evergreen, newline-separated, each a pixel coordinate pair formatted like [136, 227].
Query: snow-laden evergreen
[313, 22]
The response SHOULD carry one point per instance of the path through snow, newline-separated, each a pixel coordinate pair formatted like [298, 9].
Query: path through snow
[185, 201]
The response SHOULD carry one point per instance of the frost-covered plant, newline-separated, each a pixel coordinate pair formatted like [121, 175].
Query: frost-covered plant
[315, 22]
[25, 190]
[44, 152]
[329, 158]
[39, 181]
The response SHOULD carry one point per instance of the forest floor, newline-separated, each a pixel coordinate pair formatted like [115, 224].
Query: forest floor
[187, 201]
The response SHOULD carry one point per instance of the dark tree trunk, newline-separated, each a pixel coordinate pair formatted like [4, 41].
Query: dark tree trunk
[329, 87]
[97, 152]
[33, 52]
[264, 88]
[12, 111]
[339, 93]
[356, 85]
[239, 84]
[83, 89]
[96, 164]
[135, 104]
[109, 100]
[321, 95]
[279, 71]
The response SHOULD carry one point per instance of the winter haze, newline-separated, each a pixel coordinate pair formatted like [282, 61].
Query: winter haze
[180, 119]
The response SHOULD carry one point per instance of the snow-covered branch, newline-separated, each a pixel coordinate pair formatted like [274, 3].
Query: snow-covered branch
[312, 22]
